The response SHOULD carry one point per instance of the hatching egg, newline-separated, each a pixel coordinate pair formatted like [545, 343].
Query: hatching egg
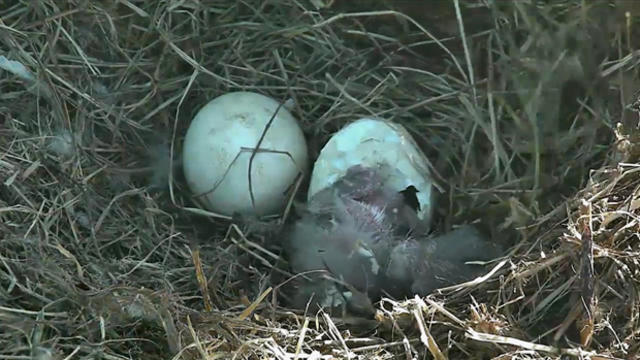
[379, 144]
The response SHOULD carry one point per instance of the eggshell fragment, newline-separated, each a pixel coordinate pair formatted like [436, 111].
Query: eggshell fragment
[376, 143]
[218, 147]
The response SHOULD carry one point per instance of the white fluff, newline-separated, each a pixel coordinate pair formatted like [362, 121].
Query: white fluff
[62, 144]
[16, 68]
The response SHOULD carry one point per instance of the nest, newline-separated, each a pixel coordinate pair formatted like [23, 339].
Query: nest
[521, 106]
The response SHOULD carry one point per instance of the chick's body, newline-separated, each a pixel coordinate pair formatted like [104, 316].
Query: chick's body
[352, 241]
[342, 252]
[440, 261]
[344, 237]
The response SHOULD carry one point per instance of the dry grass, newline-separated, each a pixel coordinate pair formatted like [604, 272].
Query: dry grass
[101, 258]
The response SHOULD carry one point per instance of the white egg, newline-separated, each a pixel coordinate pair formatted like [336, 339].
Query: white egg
[376, 143]
[218, 146]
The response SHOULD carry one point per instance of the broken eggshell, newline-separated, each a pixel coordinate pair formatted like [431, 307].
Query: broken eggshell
[218, 147]
[379, 144]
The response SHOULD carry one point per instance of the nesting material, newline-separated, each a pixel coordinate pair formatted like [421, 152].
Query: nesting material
[476, 86]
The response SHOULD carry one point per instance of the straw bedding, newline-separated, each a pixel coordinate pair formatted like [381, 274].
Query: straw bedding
[526, 110]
